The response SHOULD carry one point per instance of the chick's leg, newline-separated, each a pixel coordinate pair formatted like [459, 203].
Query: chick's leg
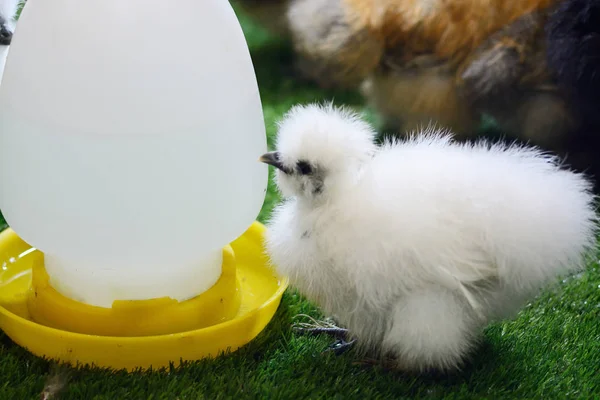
[430, 330]
[314, 327]
[338, 333]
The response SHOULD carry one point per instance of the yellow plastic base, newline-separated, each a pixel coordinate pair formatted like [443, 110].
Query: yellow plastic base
[258, 289]
[134, 318]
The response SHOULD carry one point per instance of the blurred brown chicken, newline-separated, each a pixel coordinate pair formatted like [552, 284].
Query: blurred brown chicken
[446, 62]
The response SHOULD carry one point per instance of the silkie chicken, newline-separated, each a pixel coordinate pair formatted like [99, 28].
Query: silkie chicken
[443, 61]
[8, 14]
[413, 247]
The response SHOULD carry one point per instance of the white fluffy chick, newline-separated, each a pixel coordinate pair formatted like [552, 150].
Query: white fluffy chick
[415, 246]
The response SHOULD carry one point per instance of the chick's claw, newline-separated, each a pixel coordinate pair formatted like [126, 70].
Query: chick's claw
[340, 346]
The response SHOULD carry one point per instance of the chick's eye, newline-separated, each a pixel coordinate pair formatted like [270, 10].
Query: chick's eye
[304, 168]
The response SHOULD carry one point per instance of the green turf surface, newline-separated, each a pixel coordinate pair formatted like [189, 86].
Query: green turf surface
[551, 351]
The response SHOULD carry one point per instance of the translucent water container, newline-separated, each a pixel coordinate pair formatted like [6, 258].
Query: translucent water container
[129, 138]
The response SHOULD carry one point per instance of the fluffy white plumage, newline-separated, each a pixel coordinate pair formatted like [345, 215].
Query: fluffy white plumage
[417, 245]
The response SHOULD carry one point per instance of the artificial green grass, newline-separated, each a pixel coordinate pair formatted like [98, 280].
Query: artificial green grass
[551, 351]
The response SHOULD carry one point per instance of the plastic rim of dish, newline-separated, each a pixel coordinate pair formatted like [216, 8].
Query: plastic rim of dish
[257, 295]
[158, 316]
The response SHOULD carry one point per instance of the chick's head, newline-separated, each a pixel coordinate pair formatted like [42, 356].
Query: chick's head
[319, 151]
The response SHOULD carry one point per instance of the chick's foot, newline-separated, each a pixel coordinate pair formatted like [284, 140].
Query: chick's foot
[338, 333]
[343, 341]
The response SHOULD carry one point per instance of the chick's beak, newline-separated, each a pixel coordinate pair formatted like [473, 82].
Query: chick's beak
[272, 158]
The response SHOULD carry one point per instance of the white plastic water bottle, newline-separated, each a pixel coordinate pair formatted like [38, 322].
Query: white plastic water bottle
[129, 137]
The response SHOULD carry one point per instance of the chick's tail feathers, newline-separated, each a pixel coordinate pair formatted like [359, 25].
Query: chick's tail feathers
[551, 234]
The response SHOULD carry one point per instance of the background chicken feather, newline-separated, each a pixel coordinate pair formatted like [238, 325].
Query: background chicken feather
[451, 63]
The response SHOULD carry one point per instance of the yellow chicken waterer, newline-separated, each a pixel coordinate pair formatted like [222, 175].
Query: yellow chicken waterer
[129, 136]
